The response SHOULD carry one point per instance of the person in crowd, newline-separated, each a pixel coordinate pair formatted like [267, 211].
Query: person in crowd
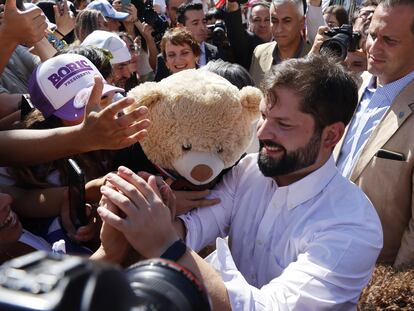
[191, 17]
[244, 41]
[171, 10]
[377, 150]
[335, 16]
[180, 50]
[100, 128]
[296, 226]
[98, 56]
[133, 63]
[60, 101]
[356, 61]
[287, 21]
[235, 73]
[16, 239]
[87, 21]
[121, 56]
[64, 18]
[112, 16]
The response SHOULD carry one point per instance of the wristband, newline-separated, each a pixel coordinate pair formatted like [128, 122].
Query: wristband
[175, 251]
[59, 33]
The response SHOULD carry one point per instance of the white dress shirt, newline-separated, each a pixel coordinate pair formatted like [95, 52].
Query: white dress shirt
[311, 245]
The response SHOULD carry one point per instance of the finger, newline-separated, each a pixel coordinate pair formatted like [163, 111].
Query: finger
[120, 200]
[10, 4]
[95, 96]
[111, 218]
[207, 202]
[131, 188]
[140, 184]
[155, 185]
[56, 11]
[133, 116]
[111, 111]
[144, 175]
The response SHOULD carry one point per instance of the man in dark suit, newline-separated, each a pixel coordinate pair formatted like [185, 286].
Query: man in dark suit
[191, 16]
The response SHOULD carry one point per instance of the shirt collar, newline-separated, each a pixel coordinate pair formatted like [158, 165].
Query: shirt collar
[392, 89]
[308, 187]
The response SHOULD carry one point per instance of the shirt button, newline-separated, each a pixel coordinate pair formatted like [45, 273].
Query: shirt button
[259, 242]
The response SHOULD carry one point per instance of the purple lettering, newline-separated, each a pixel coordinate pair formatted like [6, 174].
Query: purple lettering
[54, 78]
[63, 71]
[72, 66]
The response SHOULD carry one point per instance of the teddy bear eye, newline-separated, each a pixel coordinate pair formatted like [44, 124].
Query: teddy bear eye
[186, 147]
[219, 149]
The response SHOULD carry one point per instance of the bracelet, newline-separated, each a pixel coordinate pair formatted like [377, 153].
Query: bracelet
[175, 251]
[59, 33]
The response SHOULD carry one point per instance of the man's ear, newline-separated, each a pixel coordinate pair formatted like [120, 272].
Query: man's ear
[332, 134]
[179, 25]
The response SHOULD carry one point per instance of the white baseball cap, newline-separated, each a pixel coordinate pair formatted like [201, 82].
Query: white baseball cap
[107, 9]
[111, 42]
[62, 85]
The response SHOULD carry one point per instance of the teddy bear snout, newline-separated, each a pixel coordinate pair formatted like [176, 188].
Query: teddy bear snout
[201, 172]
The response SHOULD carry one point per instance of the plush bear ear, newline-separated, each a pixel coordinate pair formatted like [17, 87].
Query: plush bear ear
[250, 98]
[145, 94]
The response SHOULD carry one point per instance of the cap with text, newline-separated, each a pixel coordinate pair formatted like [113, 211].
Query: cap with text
[61, 86]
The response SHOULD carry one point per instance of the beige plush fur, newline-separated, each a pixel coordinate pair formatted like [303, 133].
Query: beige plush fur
[197, 108]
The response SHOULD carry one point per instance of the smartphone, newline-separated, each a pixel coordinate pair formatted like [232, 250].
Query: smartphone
[76, 184]
[125, 4]
[26, 106]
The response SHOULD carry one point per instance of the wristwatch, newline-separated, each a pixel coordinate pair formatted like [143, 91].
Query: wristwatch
[175, 251]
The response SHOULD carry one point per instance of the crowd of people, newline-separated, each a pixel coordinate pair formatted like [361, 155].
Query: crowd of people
[320, 208]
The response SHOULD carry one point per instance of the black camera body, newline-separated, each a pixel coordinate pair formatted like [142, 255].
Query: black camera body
[56, 282]
[342, 39]
[147, 14]
[218, 33]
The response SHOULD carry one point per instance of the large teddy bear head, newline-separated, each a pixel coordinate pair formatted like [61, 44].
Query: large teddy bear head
[201, 123]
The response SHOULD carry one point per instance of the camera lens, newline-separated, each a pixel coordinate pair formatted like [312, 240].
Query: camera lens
[164, 285]
[336, 46]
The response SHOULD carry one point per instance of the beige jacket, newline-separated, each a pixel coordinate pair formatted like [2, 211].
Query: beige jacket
[389, 183]
[262, 59]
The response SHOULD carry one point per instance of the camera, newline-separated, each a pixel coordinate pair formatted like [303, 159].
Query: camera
[217, 33]
[342, 39]
[147, 14]
[49, 281]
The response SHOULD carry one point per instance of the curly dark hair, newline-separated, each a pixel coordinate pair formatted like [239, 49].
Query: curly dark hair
[389, 289]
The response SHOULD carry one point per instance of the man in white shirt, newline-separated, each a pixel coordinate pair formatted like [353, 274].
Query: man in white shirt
[301, 236]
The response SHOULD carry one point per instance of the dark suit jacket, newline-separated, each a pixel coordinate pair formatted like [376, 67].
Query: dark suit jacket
[163, 72]
[242, 41]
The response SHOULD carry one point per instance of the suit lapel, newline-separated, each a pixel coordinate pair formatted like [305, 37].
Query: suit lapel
[267, 59]
[400, 110]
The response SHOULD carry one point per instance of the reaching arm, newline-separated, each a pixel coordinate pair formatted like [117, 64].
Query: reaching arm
[99, 130]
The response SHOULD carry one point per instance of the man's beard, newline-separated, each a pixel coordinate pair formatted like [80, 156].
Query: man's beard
[289, 162]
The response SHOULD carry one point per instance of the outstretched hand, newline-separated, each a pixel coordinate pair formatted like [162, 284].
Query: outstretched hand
[106, 128]
[22, 27]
